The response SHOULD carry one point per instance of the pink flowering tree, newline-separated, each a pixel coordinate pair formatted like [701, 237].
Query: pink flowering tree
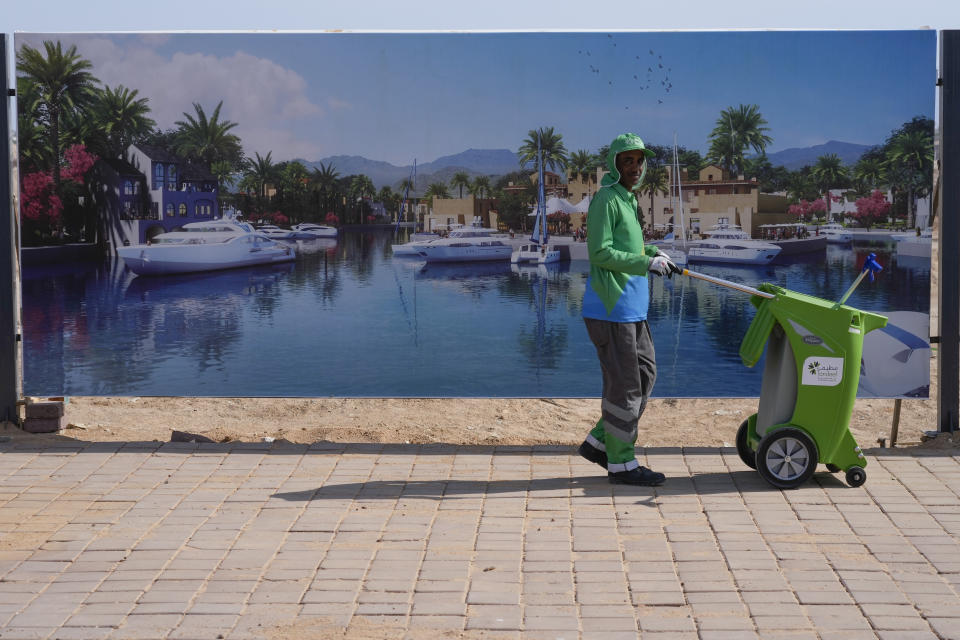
[804, 208]
[332, 219]
[872, 209]
[48, 213]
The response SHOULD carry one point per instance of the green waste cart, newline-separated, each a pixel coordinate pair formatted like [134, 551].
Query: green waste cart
[808, 387]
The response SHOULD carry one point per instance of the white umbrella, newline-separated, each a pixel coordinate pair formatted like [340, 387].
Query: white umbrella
[582, 206]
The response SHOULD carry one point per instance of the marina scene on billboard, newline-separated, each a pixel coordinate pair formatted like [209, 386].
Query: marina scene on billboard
[404, 214]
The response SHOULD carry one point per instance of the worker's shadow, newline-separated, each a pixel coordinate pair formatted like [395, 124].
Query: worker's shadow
[563, 488]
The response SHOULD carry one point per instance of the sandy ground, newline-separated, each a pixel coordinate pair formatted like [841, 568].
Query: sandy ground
[667, 422]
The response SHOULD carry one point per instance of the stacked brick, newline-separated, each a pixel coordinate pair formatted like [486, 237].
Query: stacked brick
[44, 416]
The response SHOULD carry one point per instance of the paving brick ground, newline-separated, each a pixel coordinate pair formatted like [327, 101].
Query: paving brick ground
[163, 540]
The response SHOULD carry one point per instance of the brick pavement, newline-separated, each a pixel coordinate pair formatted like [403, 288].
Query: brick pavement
[164, 540]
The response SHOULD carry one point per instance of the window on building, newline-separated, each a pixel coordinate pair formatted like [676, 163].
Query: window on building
[723, 220]
[711, 192]
[158, 176]
[182, 209]
[171, 177]
[169, 209]
[127, 188]
[155, 209]
[127, 210]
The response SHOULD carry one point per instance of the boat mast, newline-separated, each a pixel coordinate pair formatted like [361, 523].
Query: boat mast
[676, 168]
[406, 192]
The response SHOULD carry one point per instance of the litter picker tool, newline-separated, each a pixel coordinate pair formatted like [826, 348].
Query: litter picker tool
[727, 283]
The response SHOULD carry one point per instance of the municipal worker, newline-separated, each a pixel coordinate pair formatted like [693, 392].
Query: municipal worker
[615, 311]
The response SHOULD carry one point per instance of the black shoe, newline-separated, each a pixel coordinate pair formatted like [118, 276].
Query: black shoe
[593, 454]
[641, 477]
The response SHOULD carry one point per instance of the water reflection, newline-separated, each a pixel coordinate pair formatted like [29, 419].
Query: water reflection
[348, 319]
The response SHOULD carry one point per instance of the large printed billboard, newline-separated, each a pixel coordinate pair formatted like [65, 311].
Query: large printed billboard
[339, 214]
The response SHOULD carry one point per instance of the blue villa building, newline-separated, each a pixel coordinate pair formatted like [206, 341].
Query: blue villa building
[151, 191]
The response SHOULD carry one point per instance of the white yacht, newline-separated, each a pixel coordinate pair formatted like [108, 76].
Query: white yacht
[275, 232]
[204, 246]
[307, 230]
[730, 243]
[416, 241]
[466, 245]
[836, 233]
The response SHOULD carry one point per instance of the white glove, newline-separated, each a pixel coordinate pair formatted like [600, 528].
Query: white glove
[661, 265]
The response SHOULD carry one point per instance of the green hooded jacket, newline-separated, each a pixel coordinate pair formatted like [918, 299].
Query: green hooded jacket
[614, 236]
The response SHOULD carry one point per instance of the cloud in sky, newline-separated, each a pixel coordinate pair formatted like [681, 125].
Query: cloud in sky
[267, 100]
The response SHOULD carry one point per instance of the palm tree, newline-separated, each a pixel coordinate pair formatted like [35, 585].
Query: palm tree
[361, 187]
[828, 173]
[121, 117]
[583, 166]
[869, 173]
[206, 139]
[436, 190]
[63, 84]
[32, 145]
[655, 181]
[737, 129]
[551, 146]
[325, 181]
[911, 154]
[261, 172]
[460, 180]
[481, 187]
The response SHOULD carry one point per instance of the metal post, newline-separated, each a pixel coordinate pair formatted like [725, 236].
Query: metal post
[10, 379]
[948, 363]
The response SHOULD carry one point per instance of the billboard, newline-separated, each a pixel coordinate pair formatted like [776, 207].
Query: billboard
[169, 183]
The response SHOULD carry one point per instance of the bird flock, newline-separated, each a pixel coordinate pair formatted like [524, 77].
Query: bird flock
[650, 73]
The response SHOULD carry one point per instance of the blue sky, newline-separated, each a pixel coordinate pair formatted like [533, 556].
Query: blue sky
[399, 96]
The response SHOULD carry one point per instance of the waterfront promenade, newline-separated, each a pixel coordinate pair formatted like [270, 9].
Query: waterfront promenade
[255, 540]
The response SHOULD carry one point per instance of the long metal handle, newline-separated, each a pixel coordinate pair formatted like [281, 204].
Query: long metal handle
[727, 283]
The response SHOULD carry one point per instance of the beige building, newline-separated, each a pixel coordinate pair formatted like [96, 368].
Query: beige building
[450, 211]
[713, 198]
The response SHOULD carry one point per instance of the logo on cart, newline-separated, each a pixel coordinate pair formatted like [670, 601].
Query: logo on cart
[822, 372]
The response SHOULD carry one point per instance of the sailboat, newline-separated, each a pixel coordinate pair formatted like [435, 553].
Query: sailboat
[538, 251]
[676, 248]
[417, 239]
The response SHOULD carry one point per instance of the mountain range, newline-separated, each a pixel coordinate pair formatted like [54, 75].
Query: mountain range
[799, 157]
[474, 162]
[496, 162]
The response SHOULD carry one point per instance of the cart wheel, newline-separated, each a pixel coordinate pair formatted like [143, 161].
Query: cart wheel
[786, 458]
[747, 454]
[832, 468]
[856, 476]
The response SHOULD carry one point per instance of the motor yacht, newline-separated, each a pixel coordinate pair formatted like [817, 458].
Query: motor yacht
[275, 232]
[466, 245]
[730, 243]
[836, 233]
[308, 230]
[416, 241]
[204, 246]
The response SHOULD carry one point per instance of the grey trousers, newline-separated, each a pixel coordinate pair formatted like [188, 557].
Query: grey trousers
[629, 365]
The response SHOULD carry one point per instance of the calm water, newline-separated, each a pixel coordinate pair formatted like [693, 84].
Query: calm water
[348, 319]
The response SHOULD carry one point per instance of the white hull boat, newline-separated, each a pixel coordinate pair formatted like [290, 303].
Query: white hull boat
[465, 250]
[536, 254]
[416, 241]
[306, 230]
[204, 246]
[836, 233]
[730, 244]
